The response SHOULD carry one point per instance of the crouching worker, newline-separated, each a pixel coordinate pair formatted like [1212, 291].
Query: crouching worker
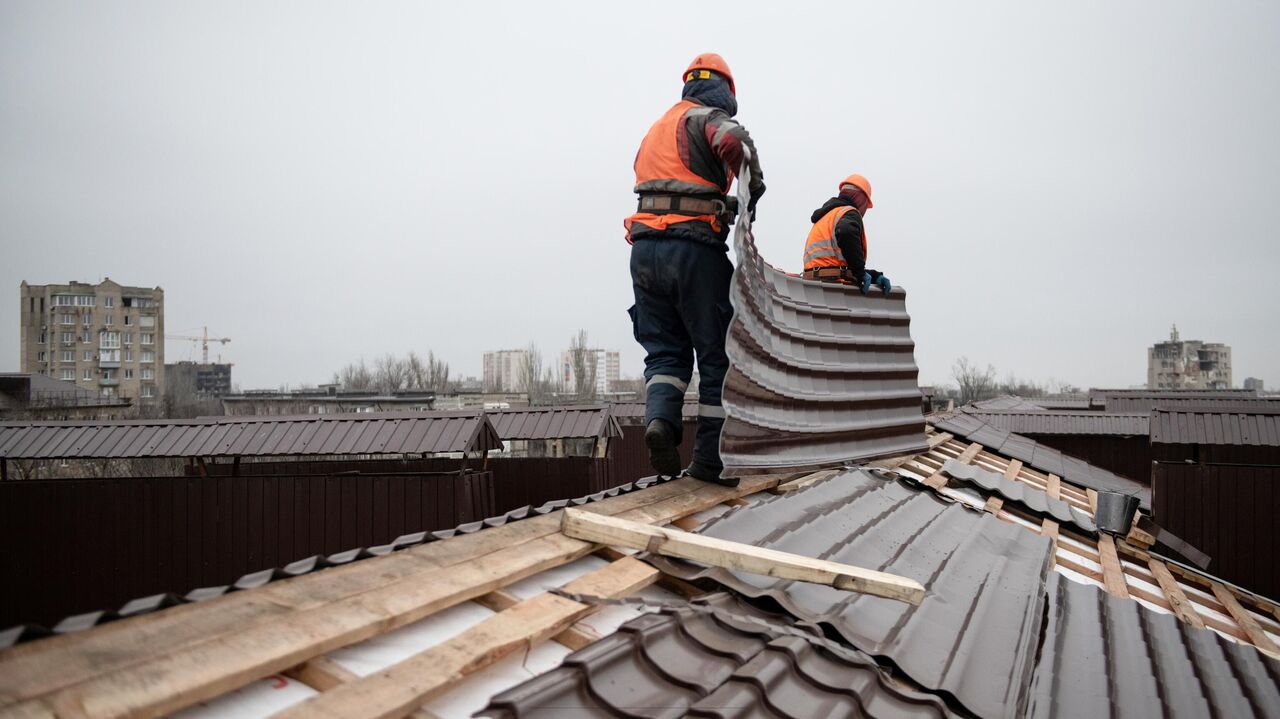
[836, 250]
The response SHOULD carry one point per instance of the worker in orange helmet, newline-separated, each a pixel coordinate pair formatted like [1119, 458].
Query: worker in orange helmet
[679, 265]
[836, 250]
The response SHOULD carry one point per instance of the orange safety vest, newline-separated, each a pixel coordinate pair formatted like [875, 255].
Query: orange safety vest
[659, 169]
[821, 250]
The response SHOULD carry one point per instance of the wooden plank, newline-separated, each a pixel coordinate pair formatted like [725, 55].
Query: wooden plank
[322, 674]
[133, 668]
[687, 524]
[1015, 466]
[993, 505]
[1049, 528]
[969, 453]
[805, 481]
[1247, 623]
[1178, 602]
[1053, 487]
[939, 438]
[396, 690]
[737, 556]
[1112, 573]
[1093, 501]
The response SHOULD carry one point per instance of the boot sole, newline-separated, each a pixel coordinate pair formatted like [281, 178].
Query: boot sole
[663, 455]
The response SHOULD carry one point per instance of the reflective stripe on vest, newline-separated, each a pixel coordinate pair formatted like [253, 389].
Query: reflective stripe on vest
[659, 168]
[821, 249]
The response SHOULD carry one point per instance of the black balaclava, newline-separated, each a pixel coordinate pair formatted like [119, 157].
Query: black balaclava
[712, 92]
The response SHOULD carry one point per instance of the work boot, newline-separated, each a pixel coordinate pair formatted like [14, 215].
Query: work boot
[708, 474]
[664, 454]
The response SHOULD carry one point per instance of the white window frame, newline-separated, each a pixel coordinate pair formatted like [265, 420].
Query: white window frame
[146, 338]
[128, 320]
[148, 373]
[148, 391]
[87, 375]
[148, 356]
[66, 319]
[67, 375]
[68, 355]
[86, 319]
[88, 355]
[109, 320]
[128, 339]
[109, 340]
[108, 302]
[128, 355]
[147, 321]
[40, 356]
[128, 373]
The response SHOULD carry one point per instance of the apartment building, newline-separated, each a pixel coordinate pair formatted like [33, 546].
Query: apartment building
[504, 370]
[607, 368]
[108, 338]
[1188, 364]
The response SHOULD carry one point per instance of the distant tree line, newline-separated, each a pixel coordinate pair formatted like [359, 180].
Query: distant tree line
[390, 373]
[974, 383]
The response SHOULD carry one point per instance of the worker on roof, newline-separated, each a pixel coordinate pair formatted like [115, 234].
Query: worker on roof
[836, 250]
[679, 268]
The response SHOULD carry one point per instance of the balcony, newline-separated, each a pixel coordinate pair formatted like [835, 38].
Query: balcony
[109, 381]
[105, 363]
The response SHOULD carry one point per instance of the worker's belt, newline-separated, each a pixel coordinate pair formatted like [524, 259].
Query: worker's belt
[829, 273]
[661, 204]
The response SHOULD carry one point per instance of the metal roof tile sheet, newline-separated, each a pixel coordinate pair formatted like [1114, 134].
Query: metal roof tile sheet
[1064, 422]
[819, 374]
[720, 658]
[1041, 457]
[975, 633]
[1036, 500]
[1136, 662]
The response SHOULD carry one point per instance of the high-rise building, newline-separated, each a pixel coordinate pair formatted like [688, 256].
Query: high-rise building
[1188, 364]
[606, 365]
[105, 337]
[504, 370]
[1255, 384]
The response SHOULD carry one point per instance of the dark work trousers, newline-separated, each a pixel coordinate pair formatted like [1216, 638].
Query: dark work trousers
[682, 309]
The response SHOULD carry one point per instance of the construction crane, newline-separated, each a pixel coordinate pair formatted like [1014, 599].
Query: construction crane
[204, 341]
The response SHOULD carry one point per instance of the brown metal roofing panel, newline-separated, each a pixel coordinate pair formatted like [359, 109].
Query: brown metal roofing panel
[292, 439]
[336, 437]
[417, 433]
[720, 658]
[1259, 427]
[1038, 456]
[383, 431]
[1192, 404]
[819, 374]
[976, 632]
[178, 437]
[396, 442]
[1063, 422]
[1109, 656]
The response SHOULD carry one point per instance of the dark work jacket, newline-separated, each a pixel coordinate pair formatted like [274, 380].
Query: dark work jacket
[714, 145]
[848, 233]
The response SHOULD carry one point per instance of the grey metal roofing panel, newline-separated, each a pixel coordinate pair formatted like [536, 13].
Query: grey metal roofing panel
[1109, 656]
[1006, 402]
[586, 421]
[1257, 427]
[1039, 456]
[974, 635]
[720, 658]
[1036, 500]
[819, 374]
[366, 433]
[1146, 404]
[1104, 396]
[1064, 422]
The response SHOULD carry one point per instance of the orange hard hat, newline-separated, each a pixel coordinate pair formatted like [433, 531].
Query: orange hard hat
[713, 62]
[861, 183]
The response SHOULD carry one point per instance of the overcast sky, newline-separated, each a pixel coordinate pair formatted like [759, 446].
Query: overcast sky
[1055, 184]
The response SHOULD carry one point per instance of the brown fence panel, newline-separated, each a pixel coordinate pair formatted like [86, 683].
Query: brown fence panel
[80, 545]
[1226, 511]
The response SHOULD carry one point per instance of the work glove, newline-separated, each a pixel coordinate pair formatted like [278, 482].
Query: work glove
[885, 284]
[866, 282]
[756, 193]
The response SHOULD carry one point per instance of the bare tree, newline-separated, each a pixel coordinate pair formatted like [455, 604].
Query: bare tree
[974, 383]
[583, 362]
[354, 377]
[531, 376]
[390, 374]
[437, 373]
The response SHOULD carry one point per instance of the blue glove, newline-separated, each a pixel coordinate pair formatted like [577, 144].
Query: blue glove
[866, 282]
[884, 284]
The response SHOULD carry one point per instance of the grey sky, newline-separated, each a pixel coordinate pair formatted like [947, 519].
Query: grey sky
[1054, 184]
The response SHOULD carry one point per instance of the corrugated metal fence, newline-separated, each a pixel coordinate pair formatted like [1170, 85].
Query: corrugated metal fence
[78, 545]
[517, 481]
[1226, 511]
